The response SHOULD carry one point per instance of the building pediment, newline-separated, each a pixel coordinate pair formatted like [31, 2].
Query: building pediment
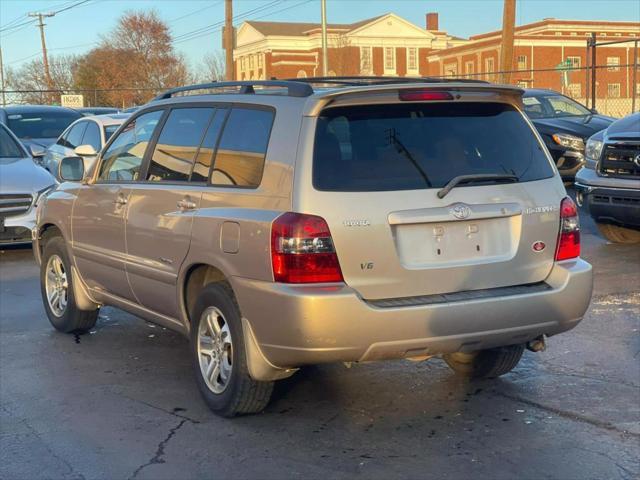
[391, 26]
[247, 34]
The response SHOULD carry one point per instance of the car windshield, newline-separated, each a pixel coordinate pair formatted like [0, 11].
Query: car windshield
[553, 106]
[415, 146]
[41, 124]
[9, 148]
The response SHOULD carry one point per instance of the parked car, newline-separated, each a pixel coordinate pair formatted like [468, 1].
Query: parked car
[289, 226]
[37, 126]
[565, 126]
[22, 185]
[609, 184]
[84, 138]
[89, 111]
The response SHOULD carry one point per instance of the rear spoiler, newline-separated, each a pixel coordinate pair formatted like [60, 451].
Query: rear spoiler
[389, 93]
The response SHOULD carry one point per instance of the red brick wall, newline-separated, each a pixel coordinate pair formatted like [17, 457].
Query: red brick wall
[378, 61]
[401, 61]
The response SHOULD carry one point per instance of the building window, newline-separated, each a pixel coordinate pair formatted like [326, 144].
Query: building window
[250, 61]
[522, 62]
[389, 60]
[365, 61]
[613, 64]
[613, 90]
[412, 59]
[468, 69]
[301, 74]
[489, 67]
[574, 90]
[638, 89]
[243, 65]
[573, 62]
[451, 70]
[260, 61]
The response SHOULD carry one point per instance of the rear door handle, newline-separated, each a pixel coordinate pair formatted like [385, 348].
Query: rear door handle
[186, 205]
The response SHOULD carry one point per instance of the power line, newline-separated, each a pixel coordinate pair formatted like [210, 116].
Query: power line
[206, 29]
[238, 17]
[194, 12]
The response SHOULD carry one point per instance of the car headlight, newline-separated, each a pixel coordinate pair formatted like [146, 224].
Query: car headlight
[593, 152]
[40, 194]
[569, 141]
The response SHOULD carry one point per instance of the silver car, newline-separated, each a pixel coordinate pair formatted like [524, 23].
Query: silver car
[283, 224]
[83, 138]
[22, 184]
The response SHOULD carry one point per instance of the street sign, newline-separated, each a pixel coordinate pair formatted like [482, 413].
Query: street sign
[72, 101]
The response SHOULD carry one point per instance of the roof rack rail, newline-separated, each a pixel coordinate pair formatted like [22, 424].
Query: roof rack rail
[294, 88]
[373, 80]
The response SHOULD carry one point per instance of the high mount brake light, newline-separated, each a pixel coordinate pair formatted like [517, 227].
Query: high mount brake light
[417, 95]
[302, 250]
[569, 237]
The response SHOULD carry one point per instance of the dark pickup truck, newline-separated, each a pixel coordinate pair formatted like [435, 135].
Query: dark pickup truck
[609, 184]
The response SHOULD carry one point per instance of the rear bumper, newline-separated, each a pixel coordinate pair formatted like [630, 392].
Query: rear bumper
[610, 200]
[298, 325]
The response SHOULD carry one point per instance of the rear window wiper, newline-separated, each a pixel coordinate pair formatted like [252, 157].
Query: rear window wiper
[479, 177]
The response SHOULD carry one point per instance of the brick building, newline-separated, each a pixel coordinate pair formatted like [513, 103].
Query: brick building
[384, 45]
[541, 47]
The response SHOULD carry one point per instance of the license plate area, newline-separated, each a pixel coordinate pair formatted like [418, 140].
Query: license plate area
[425, 245]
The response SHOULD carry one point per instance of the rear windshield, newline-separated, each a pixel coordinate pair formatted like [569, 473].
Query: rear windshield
[413, 146]
[41, 125]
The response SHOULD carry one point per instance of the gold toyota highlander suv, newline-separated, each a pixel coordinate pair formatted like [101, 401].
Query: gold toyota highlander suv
[285, 223]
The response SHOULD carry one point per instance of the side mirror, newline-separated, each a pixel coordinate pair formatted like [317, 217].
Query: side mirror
[37, 151]
[85, 151]
[71, 169]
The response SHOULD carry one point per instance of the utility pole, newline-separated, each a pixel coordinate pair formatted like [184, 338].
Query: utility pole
[325, 60]
[4, 100]
[228, 39]
[45, 60]
[508, 30]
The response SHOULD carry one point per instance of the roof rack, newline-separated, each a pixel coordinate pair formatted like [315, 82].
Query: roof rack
[294, 88]
[373, 80]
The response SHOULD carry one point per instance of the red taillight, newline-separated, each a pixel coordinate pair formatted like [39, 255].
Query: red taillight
[569, 238]
[417, 95]
[302, 250]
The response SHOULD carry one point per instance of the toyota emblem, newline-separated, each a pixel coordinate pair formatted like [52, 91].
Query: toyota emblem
[460, 211]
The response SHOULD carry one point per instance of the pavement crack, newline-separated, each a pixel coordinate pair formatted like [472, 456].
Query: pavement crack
[157, 458]
[569, 415]
[173, 413]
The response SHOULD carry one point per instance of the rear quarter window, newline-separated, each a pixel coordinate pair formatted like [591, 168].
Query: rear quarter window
[417, 145]
[242, 149]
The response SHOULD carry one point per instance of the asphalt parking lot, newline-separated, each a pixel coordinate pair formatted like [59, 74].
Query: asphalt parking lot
[120, 402]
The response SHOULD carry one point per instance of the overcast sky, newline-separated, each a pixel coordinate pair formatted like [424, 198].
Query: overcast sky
[195, 23]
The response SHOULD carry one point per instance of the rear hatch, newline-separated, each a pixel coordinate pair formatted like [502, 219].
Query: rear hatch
[375, 174]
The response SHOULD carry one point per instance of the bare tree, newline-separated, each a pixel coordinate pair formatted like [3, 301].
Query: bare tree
[213, 66]
[30, 77]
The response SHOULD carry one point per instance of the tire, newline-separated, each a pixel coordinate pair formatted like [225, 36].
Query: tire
[228, 390]
[489, 363]
[69, 318]
[617, 234]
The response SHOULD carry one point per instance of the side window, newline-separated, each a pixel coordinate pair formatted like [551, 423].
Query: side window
[243, 147]
[92, 136]
[74, 138]
[204, 158]
[123, 158]
[175, 151]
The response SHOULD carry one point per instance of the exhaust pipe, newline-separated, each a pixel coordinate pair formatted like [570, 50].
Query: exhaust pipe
[537, 345]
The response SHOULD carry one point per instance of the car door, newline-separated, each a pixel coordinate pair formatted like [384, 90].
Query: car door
[98, 223]
[161, 210]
